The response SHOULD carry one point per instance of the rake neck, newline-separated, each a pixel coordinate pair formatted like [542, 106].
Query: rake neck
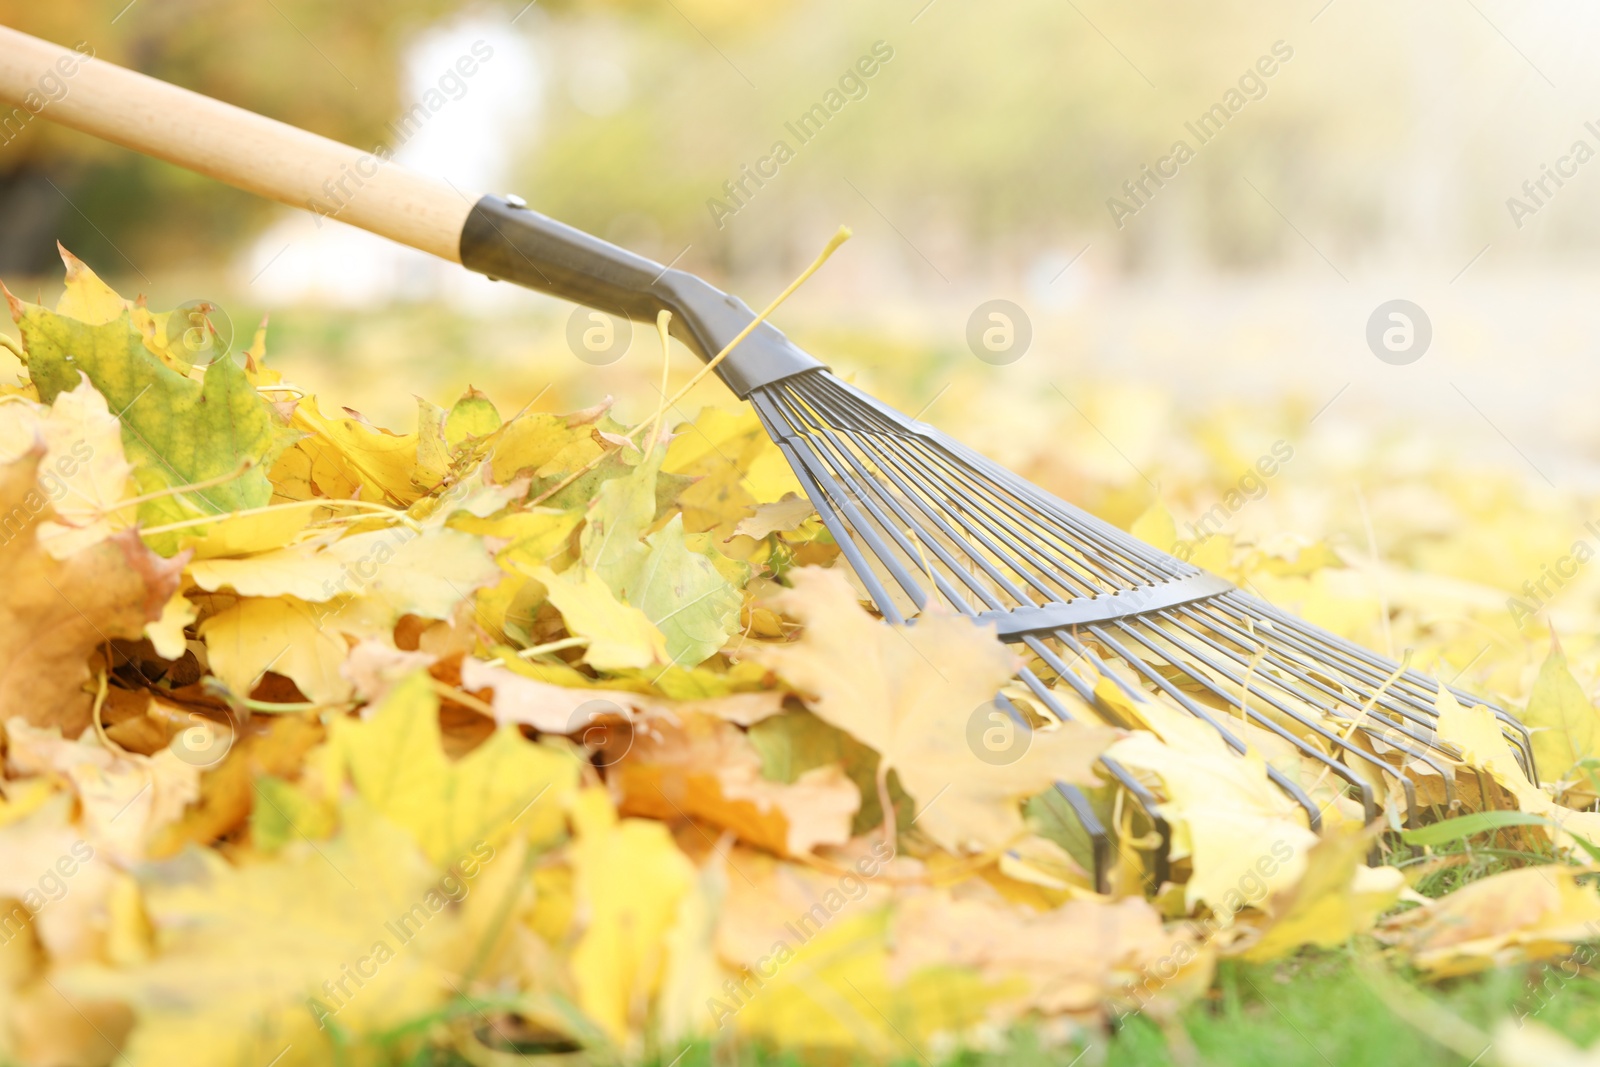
[504, 240]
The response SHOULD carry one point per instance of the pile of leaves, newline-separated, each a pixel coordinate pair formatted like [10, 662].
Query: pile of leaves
[531, 734]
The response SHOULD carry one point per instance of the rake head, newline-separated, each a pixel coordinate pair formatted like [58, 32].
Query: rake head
[926, 521]
[923, 521]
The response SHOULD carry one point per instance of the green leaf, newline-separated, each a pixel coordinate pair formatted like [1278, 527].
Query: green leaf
[1463, 826]
[1051, 817]
[622, 510]
[687, 593]
[1483, 821]
[176, 431]
[471, 417]
[682, 592]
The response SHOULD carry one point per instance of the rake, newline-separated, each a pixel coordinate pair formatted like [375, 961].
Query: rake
[924, 521]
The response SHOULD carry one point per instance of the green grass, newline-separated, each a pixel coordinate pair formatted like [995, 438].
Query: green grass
[1316, 1010]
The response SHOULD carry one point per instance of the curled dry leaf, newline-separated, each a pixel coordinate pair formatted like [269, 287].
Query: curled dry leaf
[1527, 914]
[56, 612]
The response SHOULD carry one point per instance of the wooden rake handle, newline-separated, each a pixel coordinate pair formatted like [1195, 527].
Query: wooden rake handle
[246, 150]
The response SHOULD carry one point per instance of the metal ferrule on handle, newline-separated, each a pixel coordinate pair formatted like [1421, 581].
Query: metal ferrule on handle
[504, 239]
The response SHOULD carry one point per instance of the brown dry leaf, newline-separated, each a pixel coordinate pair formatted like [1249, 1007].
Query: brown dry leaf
[274, 745]
[125, 797]
[1075, 960]
[56, 612]
[691, 765]
[558, 709]
[1532, 913]
[912, 693]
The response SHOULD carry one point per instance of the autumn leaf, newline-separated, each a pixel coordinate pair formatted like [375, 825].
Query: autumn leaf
[681, 592]
[632, 877]
[691, 765]
[125, 797]
[1564, 724]
[83, 470]
[242, 970]
[57, 612]
[1476, 733]
[1336, 897]
[508, 785]
[1245, 837]
[177, 431]
[910, 694]
[1531, 913]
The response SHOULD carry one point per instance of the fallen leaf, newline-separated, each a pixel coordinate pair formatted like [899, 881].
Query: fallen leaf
[632, 878]
[56, 612]
[508, 785]
[1531, 913]
[1245, 837]
[178, 432]
[912, 693]
[126, 798]
[781, 516]
[243, 971]
[689, 765]
[1564, 724]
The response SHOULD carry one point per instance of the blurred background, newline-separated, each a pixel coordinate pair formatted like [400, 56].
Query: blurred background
[1198, 216]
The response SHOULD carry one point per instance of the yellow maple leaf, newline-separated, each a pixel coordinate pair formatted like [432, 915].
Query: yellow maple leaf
[285, 635]
[913, 694]
[619, 635]
[288, 960]
[506, 786]
[1245, 837]
[631, 878]
[1564, 724]
[1476, 733]
[1530, 913]
[1336, 897]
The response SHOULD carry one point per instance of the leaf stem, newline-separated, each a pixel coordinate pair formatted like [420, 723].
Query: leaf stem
[315, 502]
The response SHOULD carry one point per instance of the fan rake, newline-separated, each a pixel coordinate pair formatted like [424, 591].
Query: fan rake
[926, 521]
[922, 519]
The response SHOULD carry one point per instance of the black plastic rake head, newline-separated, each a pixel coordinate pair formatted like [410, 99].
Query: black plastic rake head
[924, 520]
